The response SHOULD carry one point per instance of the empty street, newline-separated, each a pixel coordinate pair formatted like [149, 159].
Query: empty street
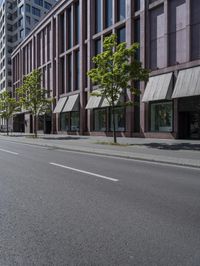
[68, 208]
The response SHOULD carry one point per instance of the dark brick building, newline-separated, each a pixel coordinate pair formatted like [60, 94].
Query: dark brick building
[64, 42]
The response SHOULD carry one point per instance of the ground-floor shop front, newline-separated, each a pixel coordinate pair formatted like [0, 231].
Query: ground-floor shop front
[168, 108]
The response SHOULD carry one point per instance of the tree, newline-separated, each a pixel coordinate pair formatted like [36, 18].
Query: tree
[32, 97]
[114, 72]
[8, 106]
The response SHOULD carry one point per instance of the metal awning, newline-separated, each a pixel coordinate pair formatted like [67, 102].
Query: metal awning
[188, 83]
[60, 104]
[94, 101]
[72, 104]
[158, 88]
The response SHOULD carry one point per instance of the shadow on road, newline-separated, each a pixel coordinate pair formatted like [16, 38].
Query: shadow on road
[175, 147]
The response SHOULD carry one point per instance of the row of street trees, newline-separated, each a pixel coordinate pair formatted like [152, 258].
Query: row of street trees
[115, 71]
[30, 97]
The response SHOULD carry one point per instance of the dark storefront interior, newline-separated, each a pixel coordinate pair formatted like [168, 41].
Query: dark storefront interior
[189, 118]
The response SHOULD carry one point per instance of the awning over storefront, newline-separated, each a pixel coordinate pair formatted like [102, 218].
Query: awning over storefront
[60, 105]
[100, 102]
[188, 83]
[72, 104]
[94, 102]
[158, 88]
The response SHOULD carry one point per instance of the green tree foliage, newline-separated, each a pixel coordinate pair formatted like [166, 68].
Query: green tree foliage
[8, 106]
[33, 98]
[115, 71]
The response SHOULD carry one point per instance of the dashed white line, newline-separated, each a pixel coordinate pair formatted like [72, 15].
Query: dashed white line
[11, 152]
[85, 172]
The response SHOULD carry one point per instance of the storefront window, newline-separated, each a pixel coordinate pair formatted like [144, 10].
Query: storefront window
[161, 117]
[100, 120]
[40, 122]
[119, 119]
[75, 121]
[64, 121]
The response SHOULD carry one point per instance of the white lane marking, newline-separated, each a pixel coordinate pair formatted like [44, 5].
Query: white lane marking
[85, 172]
[11, 152]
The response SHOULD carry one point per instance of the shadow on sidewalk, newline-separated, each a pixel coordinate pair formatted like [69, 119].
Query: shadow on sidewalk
[175, 147]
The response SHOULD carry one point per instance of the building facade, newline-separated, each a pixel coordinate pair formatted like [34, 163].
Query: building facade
[17, 19]
[64, 42]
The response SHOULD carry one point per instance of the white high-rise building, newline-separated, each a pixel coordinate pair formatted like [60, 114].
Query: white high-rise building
[17, 18]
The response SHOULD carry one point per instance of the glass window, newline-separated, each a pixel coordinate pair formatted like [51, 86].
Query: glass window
[39, 2]
[119, 119]
[28, 8]
[121, 35]
[41, 122]
[97, 46]
[161, 117]
[75, 120]
[69, 72]
[64, 122]
[137, 37]
[28, 19]
[108, 13]
[21, 33]
[62, 34]
[69, 27]
[27, 31]
[137, 5]
[100, 121]
[35, 11]
[121, 10]
[77, 70]
[47, 5]
[77, 26]
[98, 16]
[20, 22]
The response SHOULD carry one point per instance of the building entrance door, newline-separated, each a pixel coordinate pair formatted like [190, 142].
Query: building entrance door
[189, 125]
[194, 125]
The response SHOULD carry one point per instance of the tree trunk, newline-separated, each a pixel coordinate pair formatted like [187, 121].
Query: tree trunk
[35, 125]
[7, 126]
[114, 126]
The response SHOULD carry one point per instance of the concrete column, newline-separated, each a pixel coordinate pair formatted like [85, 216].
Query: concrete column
[144, 44]
[57, 66]
[166, 49]
[53, 72]
[188, 30]
[82, 70]
[90, 30]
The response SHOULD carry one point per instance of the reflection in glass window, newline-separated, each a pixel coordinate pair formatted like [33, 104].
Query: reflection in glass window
[70, 30]
[119, 119]
[75, 121]
[98, 15]
[121, 35]
[137, 5]
[109, 13]
[137, 37]
[64, 122]
[97, 46]
[69, 72]
[121, 10]
[100, 119]
[161, 117]
[77, 23]
[77, 70]
[40, 122]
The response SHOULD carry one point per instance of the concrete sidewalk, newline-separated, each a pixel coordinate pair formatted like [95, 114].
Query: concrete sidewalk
[176, 152]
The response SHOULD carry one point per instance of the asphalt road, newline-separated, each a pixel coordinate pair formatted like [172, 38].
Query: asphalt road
[69, 208]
